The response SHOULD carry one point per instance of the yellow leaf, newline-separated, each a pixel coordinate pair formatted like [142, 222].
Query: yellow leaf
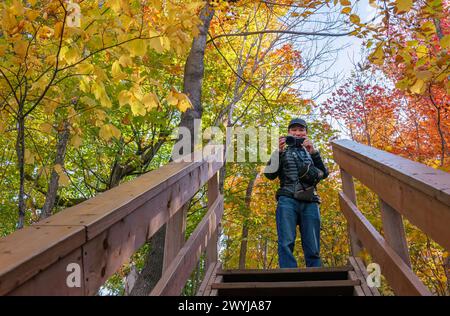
[88, 101]
[63, 178]
[156, 44]
[98, 89]
[46, 128]
[3, 50]
[137, 108]
[355, 19]
[403, 5]
[20, 48]
[117, 71]
[17, 8]
[165, 43]
[171, 99]
[100, 74]
[28, 157]
[115, 5]
[85, 68]
[373, 4]
[184, 102]
[417, 87]
[106, 101]
[84, 85]
[346, 10]
[108, 131]
[69, 54]
[76, 141]
[345, 2]
[428, 27]
[424, 75]
[445, 42]
[58, 29]
[150, 101]
[31, 15]
[58, 168]
[124, 97]
[125, 61]
[138, 47]
[422, 51]
[377, 57]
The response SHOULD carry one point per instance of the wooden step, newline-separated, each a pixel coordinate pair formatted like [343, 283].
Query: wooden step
[303, 288]
[285, 275]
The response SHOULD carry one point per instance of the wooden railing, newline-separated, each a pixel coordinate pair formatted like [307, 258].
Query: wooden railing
[417, 192]
[96, 237]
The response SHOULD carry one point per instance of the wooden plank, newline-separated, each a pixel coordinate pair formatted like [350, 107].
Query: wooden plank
[107, 208]
[313, 288]
[285, 274]
[175, 235]
[431, 181]
[286, 270]
[53, 280]
[363, 270]
[26, 252]
[358, 289]
[213, 194]
[206, 279]
[176, 275]
[107, 252]
[280, 285]
[359, 274]
[213, 279]
[400, 276]
[394, 231]
[348, 187]
[217, 280]
[418, 192]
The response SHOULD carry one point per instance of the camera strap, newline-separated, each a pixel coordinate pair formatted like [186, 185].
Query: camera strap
[298, 169]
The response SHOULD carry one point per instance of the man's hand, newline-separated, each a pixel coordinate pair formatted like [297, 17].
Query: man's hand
[281, 143]
[309, 146]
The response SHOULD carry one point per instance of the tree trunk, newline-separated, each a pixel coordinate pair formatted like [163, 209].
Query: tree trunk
[447, 273]
[193, 78]
[152, 270]
[20, 150]
[63, 138]
[244, 239]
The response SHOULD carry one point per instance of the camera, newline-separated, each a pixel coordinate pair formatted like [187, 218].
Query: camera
[294, 141]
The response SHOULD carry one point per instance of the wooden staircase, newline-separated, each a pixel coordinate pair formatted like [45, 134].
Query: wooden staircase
[75, 251]
[349, 280]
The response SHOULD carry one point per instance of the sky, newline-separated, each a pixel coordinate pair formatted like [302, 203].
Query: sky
[342, 65]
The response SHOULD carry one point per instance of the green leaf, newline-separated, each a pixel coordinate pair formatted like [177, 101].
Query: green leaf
[445, 41]
[403, 6]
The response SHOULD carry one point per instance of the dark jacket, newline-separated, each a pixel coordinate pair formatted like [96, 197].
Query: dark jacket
[291, 162]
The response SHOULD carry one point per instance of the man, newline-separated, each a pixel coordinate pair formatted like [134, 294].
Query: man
[300, 167]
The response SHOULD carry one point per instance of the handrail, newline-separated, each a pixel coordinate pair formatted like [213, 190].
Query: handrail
[96, 237]
[405, 188]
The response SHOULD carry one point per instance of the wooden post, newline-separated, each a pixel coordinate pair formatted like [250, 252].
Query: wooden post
[394, 231]
[213, 193]
[349, 190]
[175, 235]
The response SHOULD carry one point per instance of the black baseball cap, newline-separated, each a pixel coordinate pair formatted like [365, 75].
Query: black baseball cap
[297, 121]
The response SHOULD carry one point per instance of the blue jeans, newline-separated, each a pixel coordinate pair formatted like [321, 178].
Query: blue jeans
[290, 213]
